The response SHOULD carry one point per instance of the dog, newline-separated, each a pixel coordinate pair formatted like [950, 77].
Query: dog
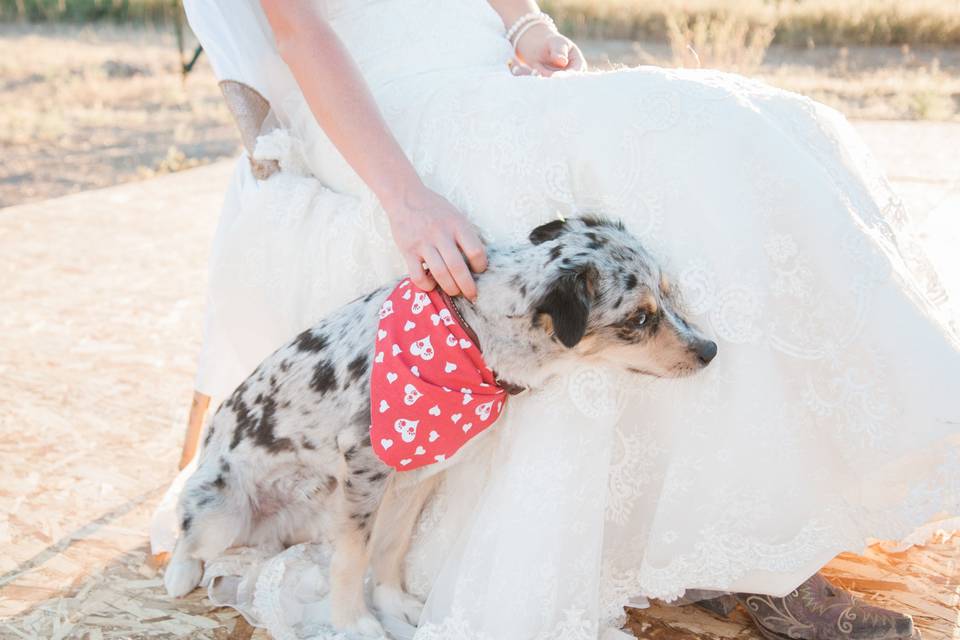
[288, 457]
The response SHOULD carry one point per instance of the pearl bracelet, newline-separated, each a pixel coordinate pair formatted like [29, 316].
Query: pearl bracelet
[525, 23]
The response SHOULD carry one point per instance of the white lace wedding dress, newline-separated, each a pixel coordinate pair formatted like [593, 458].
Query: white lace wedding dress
[831, 414]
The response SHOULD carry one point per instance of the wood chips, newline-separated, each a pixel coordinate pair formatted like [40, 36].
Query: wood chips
[101, 296]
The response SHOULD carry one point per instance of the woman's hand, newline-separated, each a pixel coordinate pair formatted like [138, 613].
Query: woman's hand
[429, 230]
[545, 51]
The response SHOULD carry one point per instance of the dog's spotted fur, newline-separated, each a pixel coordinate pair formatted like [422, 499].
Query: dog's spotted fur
[287, 457]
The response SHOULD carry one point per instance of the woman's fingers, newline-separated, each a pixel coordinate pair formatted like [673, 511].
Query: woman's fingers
[559, 52]
[473, 249]
[458, 269]
[440, 272]
[417, 273]
[577, 61]
[517, 68]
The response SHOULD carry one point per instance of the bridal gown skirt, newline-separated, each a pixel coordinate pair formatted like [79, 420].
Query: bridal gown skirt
[830, 415]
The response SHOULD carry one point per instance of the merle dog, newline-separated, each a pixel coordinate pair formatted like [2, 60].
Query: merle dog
[287, 458]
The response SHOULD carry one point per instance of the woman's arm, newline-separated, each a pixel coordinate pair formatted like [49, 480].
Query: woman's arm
[425, 226]
[541, 48]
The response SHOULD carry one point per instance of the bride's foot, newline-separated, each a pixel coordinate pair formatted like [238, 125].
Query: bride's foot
[817, 610]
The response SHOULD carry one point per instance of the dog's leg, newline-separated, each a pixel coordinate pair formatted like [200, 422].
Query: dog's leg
[183, 573]
[361, 490]
[393, 530]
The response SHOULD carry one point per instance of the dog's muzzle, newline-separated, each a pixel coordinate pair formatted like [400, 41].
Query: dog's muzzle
[706, 351]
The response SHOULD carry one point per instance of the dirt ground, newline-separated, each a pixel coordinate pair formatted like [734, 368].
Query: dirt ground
[88, 107]
[102, 296]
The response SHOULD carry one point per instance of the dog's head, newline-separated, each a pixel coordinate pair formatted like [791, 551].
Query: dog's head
[599, 293]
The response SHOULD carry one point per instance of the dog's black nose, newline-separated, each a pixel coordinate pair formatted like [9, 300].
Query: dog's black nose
[707, 351]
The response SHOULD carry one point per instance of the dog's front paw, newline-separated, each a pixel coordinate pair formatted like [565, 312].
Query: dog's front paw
[365, 625]
[395, 602]
[182, 577]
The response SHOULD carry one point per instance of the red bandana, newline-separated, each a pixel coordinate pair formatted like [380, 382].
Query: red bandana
[430, 390]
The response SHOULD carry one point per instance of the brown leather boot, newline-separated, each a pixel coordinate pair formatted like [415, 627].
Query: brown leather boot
[817, 610]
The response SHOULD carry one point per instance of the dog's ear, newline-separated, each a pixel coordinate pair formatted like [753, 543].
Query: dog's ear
[565, 308]
[549, 231]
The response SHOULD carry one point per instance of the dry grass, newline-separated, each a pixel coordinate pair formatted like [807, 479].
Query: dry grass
[96, 106]
[727, 42]
[795, 22]
[90, 107]
[884, 83]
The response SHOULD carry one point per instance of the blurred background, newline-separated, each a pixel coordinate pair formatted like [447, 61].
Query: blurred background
[97, 92]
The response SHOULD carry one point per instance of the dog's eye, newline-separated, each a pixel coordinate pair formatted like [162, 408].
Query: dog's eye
[640, 319]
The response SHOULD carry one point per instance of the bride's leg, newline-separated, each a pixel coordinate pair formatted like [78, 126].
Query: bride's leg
[393, 530]
[198, 410]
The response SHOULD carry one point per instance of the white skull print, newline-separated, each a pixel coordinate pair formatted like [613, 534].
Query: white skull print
[386, 309]
[420, 301]
[422, 348]
[406, 428]
[412, 395]
[483, 410]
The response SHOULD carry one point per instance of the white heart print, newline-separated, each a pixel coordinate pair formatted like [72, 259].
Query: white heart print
[434, 410]
[406, 294]
[412, 395]
[391, 377]
[395, 349]
[386, 443]
[406, 428]
[415, 370]
[449, 368]
[381, 334]
[483, 410]
[420, 301]
[384, 406]
[433, 436]
[451, 340]
[420, 450]
[456, 417]
[467, 426]
[408, 325]
[465, 344]
[405, 462]
[422, 348]
[379, 358]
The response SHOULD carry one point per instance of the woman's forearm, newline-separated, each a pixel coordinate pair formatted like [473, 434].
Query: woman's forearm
[339, 98]
[511, 10]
